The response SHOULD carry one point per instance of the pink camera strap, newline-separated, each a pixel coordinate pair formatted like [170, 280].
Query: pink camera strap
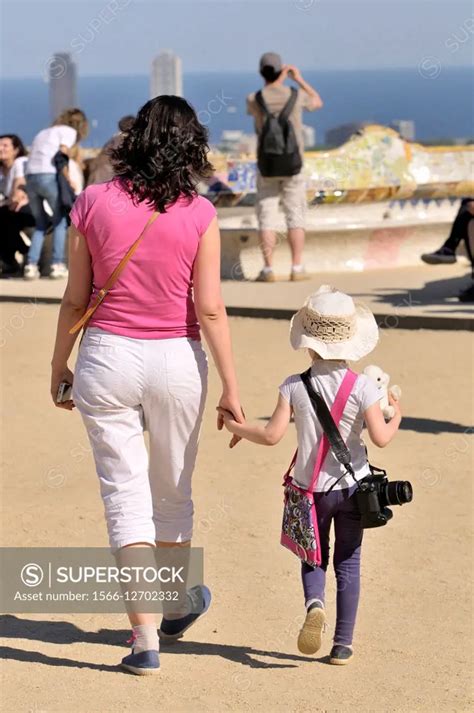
[337, 410]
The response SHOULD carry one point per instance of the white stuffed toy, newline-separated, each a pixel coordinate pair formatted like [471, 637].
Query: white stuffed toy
[382, 381]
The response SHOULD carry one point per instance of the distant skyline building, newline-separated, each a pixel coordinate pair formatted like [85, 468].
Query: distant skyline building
[62, 79]
[405, 127]
[309, 136]
[237, 141]
[166, 75]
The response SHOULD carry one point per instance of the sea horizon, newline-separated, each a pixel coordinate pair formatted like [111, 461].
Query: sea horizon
[440, 106]
[245, 71]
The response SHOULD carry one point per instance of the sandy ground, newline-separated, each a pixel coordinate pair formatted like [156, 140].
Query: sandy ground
[412, 638]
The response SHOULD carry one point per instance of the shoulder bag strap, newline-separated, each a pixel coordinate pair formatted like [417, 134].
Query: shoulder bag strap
[113, 277]
[329, 419]
[291, 466]
[261, 102]
[289, 106]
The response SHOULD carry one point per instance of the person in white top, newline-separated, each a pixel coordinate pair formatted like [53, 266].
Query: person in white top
[42, 185]
[12, 165]
[334, 329]
[15, 214]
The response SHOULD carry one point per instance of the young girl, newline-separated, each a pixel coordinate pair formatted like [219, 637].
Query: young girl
[334, 330]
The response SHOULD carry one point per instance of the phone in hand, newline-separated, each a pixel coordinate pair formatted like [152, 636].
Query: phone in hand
[64, 392]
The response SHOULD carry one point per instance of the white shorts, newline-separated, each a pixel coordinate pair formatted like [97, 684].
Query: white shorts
[122, 384]
[292, 192]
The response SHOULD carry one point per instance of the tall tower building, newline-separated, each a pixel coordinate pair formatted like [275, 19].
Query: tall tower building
[62, 78]
[166, 75]
[405, 127]
[309, 136]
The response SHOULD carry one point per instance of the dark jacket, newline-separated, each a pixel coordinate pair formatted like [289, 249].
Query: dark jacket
[66, 194]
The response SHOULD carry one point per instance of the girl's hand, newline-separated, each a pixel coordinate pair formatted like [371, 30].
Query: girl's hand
[395, 403]
[234, 440]
[231, 404]
[229, 422]
[58, 375]
[228, 419]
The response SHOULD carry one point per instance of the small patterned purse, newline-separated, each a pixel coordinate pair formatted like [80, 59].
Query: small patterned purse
[299, 531]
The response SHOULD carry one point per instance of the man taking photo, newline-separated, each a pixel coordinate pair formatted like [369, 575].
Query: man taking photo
[277, 110]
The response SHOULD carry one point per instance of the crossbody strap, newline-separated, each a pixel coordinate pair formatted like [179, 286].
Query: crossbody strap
[287, 109]
[329, 420]
[261, 103]
[113, 277]
[289, 106]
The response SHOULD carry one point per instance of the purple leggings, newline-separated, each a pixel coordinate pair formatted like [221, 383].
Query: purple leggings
[340, 506]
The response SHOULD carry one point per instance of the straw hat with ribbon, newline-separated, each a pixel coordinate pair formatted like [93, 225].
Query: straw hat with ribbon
[334, 326]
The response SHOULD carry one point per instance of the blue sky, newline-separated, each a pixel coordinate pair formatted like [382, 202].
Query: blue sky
[121, 36]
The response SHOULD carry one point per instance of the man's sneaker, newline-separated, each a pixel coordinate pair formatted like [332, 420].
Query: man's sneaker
[199, 602]
[443, 256]
[58, 271]
[265, 276]
[31, 272]
[467, 295]
[144, 663]
[340, 655]
[310, 636]
[299, 275]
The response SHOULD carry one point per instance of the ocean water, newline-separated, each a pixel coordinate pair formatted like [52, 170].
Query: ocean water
[441, 106]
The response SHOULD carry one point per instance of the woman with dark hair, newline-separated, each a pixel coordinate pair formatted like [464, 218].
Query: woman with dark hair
[42, 185]
[141, 360]
[12, 163]
[15, 214]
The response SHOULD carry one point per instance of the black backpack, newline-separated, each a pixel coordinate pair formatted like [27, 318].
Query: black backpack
[278, 153]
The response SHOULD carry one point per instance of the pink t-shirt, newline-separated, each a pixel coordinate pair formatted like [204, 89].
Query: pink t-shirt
[152, 299]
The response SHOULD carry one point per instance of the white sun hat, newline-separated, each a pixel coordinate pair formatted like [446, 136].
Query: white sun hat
[334, 326]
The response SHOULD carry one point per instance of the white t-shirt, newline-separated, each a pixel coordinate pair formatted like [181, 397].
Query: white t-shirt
[326, 378]
[16, 171]
[46, 144]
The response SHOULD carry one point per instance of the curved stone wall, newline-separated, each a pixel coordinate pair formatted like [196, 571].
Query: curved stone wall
[375, 165]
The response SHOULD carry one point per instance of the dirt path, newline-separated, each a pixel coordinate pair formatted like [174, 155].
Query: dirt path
[412, 638]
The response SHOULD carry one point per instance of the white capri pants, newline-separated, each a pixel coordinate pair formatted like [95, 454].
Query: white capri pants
[121, 385]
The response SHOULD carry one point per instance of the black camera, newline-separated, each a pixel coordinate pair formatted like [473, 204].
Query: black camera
[375, 493]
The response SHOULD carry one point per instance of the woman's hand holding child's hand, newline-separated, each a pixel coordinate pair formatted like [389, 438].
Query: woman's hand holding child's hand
[230, 423]
[268, 435]
[231, 407]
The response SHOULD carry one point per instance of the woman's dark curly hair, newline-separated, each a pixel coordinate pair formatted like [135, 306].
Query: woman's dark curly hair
[164, 154]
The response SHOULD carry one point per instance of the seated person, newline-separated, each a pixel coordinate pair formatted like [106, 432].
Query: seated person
[446, 254]
[459, 232]
[15, 214]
